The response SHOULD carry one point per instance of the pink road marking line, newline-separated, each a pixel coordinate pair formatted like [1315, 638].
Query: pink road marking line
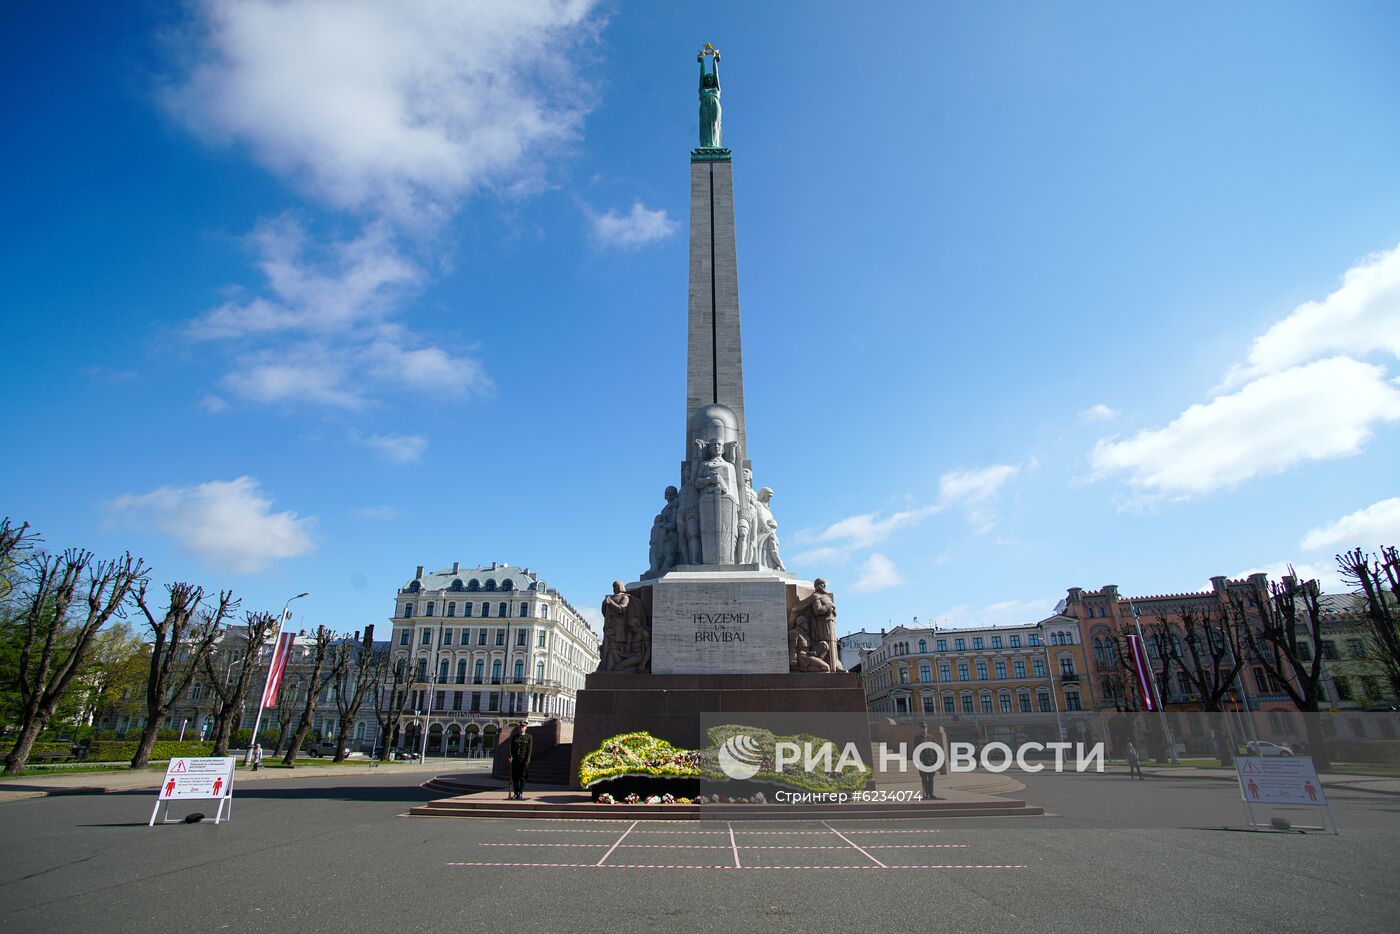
[617, 841]
[853, 844]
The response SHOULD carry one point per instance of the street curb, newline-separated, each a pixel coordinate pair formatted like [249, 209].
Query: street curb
[1343, 786]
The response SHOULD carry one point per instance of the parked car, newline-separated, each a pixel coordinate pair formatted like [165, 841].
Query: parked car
[404, 755]
[1264, 748]
[319, 749]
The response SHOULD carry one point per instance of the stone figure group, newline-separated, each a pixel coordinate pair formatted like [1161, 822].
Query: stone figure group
[715, 517]
[626, 631]
[812, 632]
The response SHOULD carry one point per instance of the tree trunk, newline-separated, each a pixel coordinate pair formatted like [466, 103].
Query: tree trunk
[19, 756]
[1317, 740]
[298, 738]
[223, 728]
[148, 741]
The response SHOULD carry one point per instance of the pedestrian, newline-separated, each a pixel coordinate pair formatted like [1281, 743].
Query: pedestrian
[257, 756]
[521, 745]
[1134, 761]
[926, 762]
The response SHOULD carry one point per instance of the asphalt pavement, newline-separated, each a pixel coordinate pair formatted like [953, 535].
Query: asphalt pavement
[336, 853]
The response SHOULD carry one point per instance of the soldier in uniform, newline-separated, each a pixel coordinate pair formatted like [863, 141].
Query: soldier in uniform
[521, 745]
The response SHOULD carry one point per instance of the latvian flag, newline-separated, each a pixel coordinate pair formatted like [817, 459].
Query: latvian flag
[1137, 658]
[278, 666]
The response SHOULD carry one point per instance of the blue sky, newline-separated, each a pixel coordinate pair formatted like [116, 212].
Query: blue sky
[300, 296]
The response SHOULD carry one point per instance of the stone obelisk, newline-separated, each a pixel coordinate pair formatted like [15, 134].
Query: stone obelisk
[715, 359]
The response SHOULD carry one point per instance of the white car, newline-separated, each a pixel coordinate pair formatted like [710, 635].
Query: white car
[1265, 748]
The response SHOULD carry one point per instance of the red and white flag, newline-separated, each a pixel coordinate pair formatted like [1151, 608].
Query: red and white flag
[1137, 656]
[276, 669]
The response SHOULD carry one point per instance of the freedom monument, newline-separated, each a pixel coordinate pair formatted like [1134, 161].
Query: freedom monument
[716, 624]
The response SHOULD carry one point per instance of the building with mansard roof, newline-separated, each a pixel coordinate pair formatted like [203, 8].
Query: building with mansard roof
[490, 646]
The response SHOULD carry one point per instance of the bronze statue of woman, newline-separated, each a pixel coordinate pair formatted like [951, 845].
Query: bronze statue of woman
[709, 101]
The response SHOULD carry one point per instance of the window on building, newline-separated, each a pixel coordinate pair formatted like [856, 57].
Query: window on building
[1019, 667]
[977, 642]
[461, 673]
[996, 642]
[925, 673]
[422, 669]
[479, 671]
[1067, 666]
[949, 705]
[1000, 668]
[904, 676]
[1343, 688]
[981, 671]
[447, 637]
[524, 609]
[456, 700]
[519, 673]
[1098, 650]
[1304, 652]
[1033, 638]
[1044, 700]
[522, 637]
[451, 609]
[1004, 701]
[405, 636]
[442, 674]
[486, 609]
[540, 642]
[493, 701]
[1038, 666]
[473, 584]
[1355, 648]
[1015, 642]
[503, 610]
[944, 674]
[986, 702]
[962, 671]
[481, 637]
[426, 638]
[1261, 681]
[942, 645]
[544, 611]
[1329, 650]
[500, 637]
[428, 610]
[408, 610]
[967, 704]
[960, 644]
[496, 666]
[1072, 700]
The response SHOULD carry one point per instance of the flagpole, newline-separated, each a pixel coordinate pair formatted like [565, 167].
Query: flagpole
[257, 721]
[1156, 695]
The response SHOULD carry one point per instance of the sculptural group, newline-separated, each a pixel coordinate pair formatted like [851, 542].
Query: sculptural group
[812, 632]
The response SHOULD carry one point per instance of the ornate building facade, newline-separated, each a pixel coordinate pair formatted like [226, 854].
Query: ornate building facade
[489, 646]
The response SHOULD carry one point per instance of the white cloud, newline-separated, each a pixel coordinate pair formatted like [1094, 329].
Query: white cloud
[594, 618]
[633, 230]
[213, 404]
[878, 573]
[331, 290]
[398, 108]
[399, 449]
[1098, 413]
[229, 524]
[967, 486]
[1003, 613]
[377, 513]
[428, 368]
[1317, 411]
[1377, 524]
[1359, 318]
[313, 373]
[870, 528]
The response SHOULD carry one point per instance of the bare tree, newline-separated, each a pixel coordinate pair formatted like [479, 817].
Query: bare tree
[1212, 658]
[354, 680]
[1377, 577]
[1284, 634]
[1162, 636]
[391, 695]
[230, 695]
[181, 640]
[55, 635]
[315, 684]
[289, 701]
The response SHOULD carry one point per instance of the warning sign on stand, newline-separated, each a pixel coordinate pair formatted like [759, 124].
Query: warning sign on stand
[202, 778]
[1280, 780]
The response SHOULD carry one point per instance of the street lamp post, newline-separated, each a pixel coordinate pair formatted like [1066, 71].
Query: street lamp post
[257, 721]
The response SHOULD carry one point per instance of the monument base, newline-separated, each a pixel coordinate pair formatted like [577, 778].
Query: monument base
[679, 708]
[721, 620]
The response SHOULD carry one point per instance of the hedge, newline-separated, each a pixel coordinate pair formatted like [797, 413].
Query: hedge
[65, 748]
[1378, 751]
[113, 751]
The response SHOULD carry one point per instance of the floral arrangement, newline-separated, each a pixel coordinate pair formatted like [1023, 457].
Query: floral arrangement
[644, 756]
[668, 799]
[606, 798]
[632, 798]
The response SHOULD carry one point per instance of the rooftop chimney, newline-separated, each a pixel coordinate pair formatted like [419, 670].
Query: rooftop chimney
[456, 566]
[419, 574]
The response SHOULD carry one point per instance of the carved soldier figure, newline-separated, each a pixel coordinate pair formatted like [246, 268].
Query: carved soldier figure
[745, 550]
[812, 632]
[687, 518]
[766, 550]
[614, 626]
[665, 537]
[718, 488]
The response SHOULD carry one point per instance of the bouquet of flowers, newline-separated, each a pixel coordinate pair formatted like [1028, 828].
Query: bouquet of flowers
[632, 798]
[606, 798]
[668, 799]
[758, 798]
